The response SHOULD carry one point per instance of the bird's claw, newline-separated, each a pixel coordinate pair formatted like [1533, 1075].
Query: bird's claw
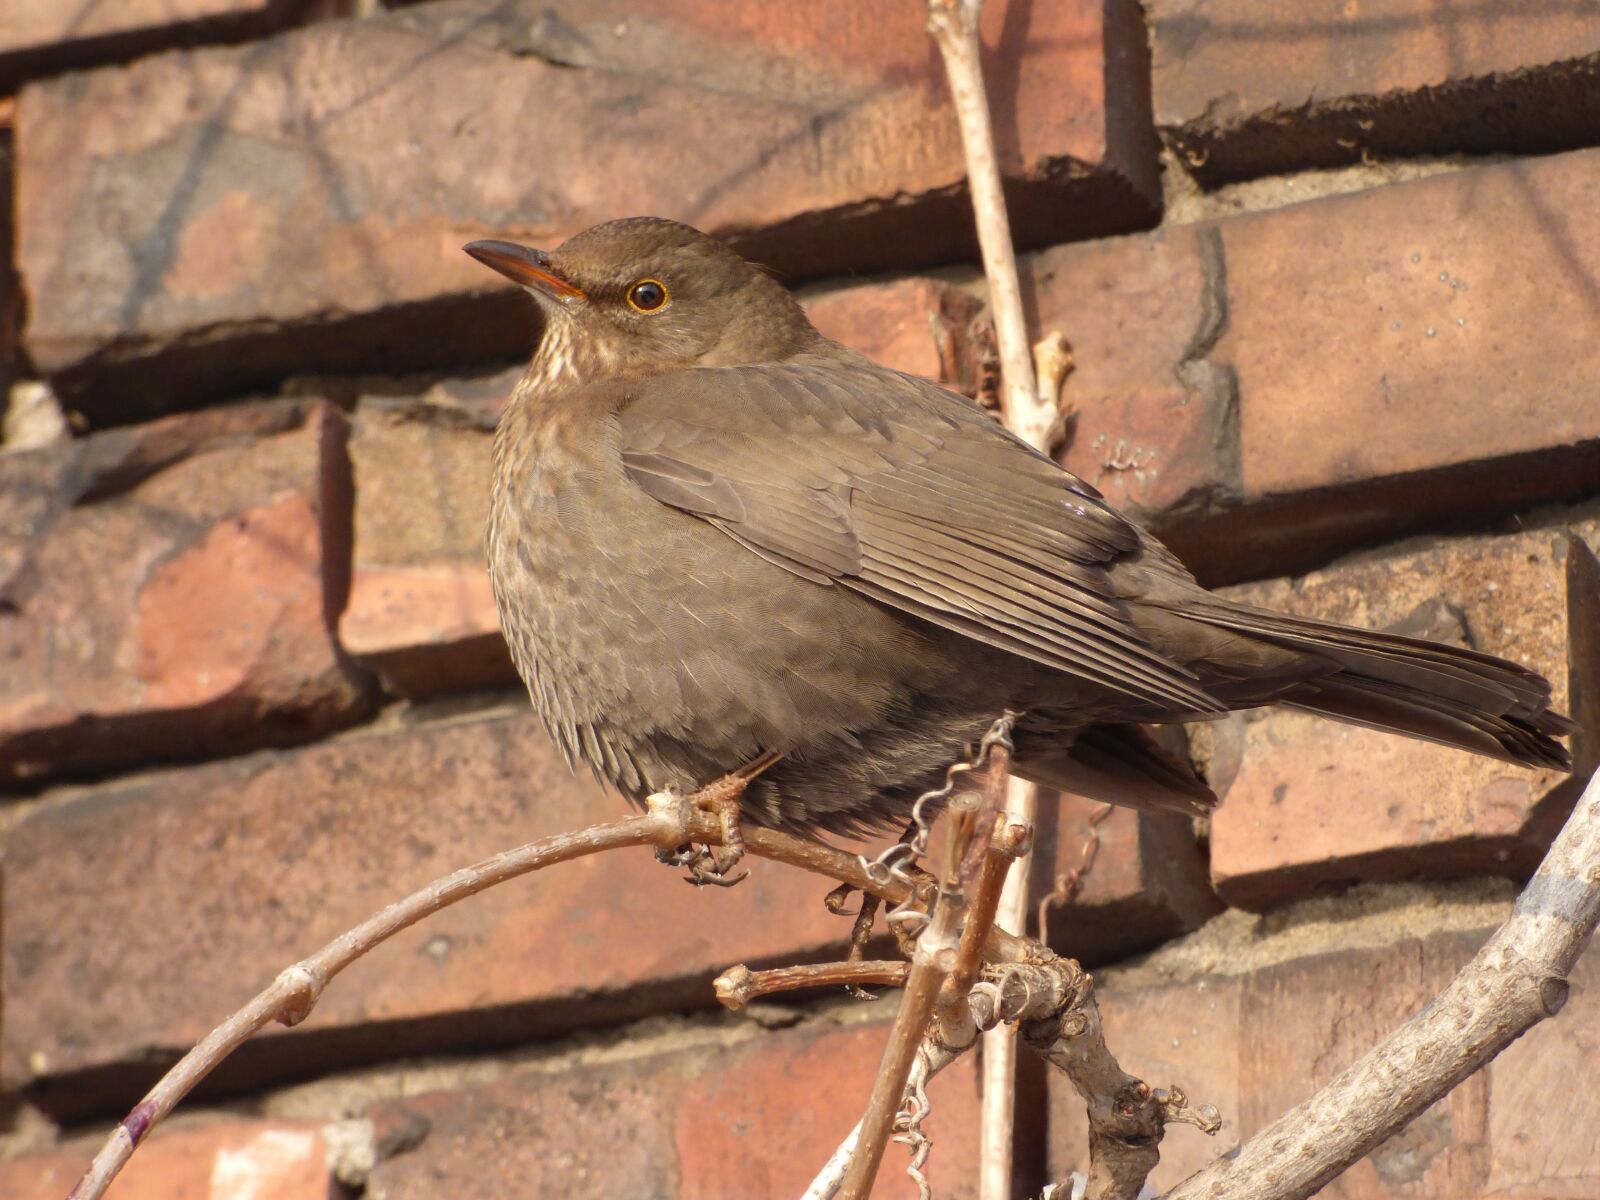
[708, 866]
[712, 869]
[682, 856]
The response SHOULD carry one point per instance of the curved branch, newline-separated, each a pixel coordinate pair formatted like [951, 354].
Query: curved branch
[671, 821]
[290, 997]
[1517, 980]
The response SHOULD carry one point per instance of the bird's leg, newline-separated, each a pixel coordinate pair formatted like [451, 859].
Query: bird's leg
[710, 866]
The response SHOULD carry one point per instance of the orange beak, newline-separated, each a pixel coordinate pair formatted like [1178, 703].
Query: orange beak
[525, 266]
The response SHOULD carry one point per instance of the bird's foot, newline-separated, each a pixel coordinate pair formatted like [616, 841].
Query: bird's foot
[711, 866]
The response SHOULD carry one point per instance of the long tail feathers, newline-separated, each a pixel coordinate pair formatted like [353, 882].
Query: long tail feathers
[1428, 690]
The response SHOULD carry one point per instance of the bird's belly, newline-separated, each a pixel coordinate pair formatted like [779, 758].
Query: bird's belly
[662, 652]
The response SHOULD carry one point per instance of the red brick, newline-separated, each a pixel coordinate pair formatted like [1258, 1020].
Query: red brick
[1276, 1016]
[746, 1116]
[180, 606]
[239, 868]
[1249, 87]
[1153, 421]
[323, 209]
[43, 37]
[1316, 802]
[916, 325]
[420, 612]
[1401, 359]
[1147, 879]
[1417, 327]
[220, 1160]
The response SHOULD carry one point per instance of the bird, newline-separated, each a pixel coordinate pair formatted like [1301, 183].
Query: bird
[724, 547]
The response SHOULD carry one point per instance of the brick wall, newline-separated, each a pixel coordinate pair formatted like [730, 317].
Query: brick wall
[1331, 275]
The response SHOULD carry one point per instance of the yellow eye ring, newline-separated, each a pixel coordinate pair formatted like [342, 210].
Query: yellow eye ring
[648, 296]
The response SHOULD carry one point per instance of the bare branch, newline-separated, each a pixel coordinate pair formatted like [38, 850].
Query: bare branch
[671, 821]
[294, 993]
[737, 986]
[954, 26]
[1517, 980]
[1011, 841]
[1126, 1116]
[936, 950]
[1052, 359]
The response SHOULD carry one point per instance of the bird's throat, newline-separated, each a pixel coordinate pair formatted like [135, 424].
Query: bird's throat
[555, 365]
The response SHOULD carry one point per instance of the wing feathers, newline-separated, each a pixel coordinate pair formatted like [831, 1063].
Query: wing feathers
[900, 490]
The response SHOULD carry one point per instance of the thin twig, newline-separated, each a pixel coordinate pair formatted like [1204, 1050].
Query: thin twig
[294, 993]
[935, 956]
[828, 1180]
[1068, 882]
[1010, 842]
[954, 27]
[997, 1093]
[936, 949]
[739, 985]
[1517, 980]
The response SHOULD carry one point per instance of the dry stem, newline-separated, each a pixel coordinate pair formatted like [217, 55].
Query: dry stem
[739, 985]
[1126, 1116]
[1029, 407]
[937, 954]
[1517, 980]
[292, 995]
[1042, 989]
[954, 27]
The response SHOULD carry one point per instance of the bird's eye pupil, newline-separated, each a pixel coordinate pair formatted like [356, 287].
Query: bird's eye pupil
[647, 295]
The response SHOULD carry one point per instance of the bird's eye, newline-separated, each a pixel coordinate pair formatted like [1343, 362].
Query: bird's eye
[647, 296]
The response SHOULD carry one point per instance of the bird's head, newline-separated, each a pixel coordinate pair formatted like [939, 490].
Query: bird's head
[643, 295]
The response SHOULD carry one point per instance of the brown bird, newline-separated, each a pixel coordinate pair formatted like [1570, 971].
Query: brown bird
[722, 543]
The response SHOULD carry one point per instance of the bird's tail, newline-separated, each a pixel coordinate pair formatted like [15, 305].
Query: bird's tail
[1428, 690]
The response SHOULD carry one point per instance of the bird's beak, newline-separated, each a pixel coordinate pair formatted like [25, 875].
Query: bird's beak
[526, 266]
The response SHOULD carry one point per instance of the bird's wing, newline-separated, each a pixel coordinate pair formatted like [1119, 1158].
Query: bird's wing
[849, 474]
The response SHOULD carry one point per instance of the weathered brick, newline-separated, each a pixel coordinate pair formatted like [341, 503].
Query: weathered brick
[1274, 389]
[1317, 802]
[43, 37]
[920, 326]
[1146, 879]
[169, 590]
[1270, 390]
[421, 613]
[320, 213]
[1153, 422]
[752, 1116]
[239, 868]
[216, 1160]
[1417, 327]
[1256, 1024]
[1249, 87]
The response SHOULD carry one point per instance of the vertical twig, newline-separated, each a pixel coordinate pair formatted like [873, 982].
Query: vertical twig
[937, 954]
[953, 25]
[888, 1090]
